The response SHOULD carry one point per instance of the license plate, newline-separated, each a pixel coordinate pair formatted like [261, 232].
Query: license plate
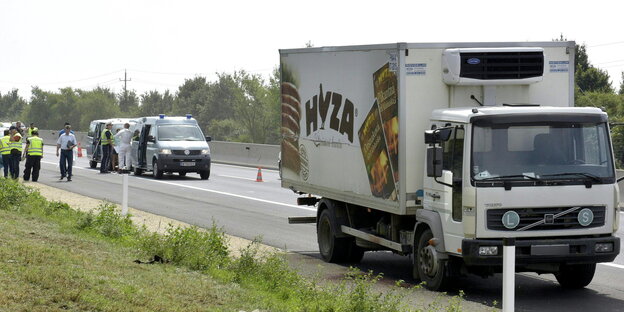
[187, 164]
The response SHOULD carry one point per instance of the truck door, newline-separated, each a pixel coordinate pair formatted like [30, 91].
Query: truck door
[447, 200]
[97, 149]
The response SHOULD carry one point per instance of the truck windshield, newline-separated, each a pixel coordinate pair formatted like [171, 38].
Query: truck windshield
[180, 133]
[542, 152]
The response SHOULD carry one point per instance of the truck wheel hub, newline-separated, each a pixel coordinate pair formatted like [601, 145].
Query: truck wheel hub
[428, 261]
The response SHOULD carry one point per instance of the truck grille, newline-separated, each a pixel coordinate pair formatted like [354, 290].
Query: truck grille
[529, 216]
[502, 65]
[181, 152]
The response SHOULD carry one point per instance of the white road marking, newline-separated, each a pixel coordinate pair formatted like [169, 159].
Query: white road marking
[619, 266]
[212, 191]
[235, 177]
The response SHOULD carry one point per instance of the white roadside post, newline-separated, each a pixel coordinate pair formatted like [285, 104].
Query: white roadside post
[124, 198]
[509, 272]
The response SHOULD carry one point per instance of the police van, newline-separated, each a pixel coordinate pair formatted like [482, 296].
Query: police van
[170, 144]
[94, 149]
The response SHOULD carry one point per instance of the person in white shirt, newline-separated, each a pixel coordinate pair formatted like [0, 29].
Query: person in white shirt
[124, 138]
[66, 144]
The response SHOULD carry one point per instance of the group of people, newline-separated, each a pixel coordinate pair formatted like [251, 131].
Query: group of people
[13, 151]
[116, 152]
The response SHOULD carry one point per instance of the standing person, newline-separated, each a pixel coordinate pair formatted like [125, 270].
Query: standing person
[62, 131]
[15, 144]
[30, 129]
[5, 149]
[34, 153]
[124, 137]
[106, 141]
[115, 156]
[66, 144]
[18, 125]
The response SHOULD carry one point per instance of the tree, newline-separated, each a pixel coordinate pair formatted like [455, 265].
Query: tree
[587, 77]
[153, 103]
[621, 91]
[38, 111]
[11, 105]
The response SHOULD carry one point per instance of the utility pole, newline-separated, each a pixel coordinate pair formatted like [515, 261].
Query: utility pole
[125, 81]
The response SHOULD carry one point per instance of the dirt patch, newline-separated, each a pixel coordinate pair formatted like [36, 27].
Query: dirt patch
[152, 222]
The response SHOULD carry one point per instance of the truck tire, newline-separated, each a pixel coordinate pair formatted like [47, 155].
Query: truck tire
[204, 175]
[332, 248]
[575, 276]
[158, 174]
[431, 270]
[93, 164]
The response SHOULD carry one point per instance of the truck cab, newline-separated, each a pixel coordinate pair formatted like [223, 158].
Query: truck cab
[542, 175]
[170, 144]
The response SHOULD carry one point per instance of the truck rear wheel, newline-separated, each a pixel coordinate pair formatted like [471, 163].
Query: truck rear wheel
[575, 276]
[335, 249]
[431, 269]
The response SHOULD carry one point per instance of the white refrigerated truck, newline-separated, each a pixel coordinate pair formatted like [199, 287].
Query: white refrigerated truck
[441, 150]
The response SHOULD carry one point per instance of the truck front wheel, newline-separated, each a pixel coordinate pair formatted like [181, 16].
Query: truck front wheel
[334, 249]
[431, 269]
[575, 276]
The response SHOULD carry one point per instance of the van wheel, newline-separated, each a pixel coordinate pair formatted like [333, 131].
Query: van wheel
[204, 175]
[138, 171]
[575, 276]
[93, 164]
[431, 270]
[182, 173]
[158, 174]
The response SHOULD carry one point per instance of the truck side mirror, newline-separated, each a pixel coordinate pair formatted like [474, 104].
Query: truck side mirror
[438, 135]
[434, 161]
[208, 139]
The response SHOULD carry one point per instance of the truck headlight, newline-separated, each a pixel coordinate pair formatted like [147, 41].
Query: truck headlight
[165, 151]
[603, 247]
[205, 151]
[488, 251]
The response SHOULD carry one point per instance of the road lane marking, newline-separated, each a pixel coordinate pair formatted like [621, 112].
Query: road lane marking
[234, 195]
[214, 191]
[619, 266]
[235, 177]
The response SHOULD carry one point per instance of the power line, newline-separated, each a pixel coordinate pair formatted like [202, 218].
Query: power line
[605, 44]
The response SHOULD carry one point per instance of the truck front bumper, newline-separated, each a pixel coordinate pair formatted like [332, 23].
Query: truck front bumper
[541, 251]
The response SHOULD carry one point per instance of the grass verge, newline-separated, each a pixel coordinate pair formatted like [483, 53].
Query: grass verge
[54, 258]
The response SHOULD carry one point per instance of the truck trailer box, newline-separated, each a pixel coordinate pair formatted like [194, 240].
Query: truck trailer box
[353, 117]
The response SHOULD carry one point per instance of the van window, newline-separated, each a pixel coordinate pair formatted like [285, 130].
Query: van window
[180, 133]
[91, 132]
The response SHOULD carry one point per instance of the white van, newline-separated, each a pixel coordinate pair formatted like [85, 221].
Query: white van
[94, 150]
[170, 144]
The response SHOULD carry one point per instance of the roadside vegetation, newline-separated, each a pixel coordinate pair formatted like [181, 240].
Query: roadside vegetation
[55, 258]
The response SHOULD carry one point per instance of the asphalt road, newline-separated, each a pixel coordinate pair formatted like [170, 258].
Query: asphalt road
[245, 208]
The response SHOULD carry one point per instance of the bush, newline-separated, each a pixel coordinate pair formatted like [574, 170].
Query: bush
[108, 222]
[190, 247]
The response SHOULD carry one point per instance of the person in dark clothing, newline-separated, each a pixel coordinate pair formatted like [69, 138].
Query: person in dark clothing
[5, 148]
[34, 153]
[15, 144]
[106, 141]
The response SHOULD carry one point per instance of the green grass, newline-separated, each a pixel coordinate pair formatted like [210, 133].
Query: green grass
[54, 258]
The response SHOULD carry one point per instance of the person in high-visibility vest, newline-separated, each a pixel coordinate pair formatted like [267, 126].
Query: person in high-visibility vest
[15, 144]
[106, 141]
[6, 152]
[34, 153]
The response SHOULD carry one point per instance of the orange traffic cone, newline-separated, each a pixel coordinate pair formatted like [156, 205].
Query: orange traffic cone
[79, 150]
[259, 177]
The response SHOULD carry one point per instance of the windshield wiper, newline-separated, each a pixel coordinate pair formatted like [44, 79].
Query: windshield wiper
[590, 176]
[510, 177]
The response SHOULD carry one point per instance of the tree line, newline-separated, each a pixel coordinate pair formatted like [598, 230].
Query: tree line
[244, 107]
[239, 107]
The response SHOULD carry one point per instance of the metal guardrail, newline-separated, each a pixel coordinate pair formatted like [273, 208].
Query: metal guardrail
[243, 154]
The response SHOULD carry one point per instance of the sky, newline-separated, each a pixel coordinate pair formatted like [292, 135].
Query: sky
[84, 44]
